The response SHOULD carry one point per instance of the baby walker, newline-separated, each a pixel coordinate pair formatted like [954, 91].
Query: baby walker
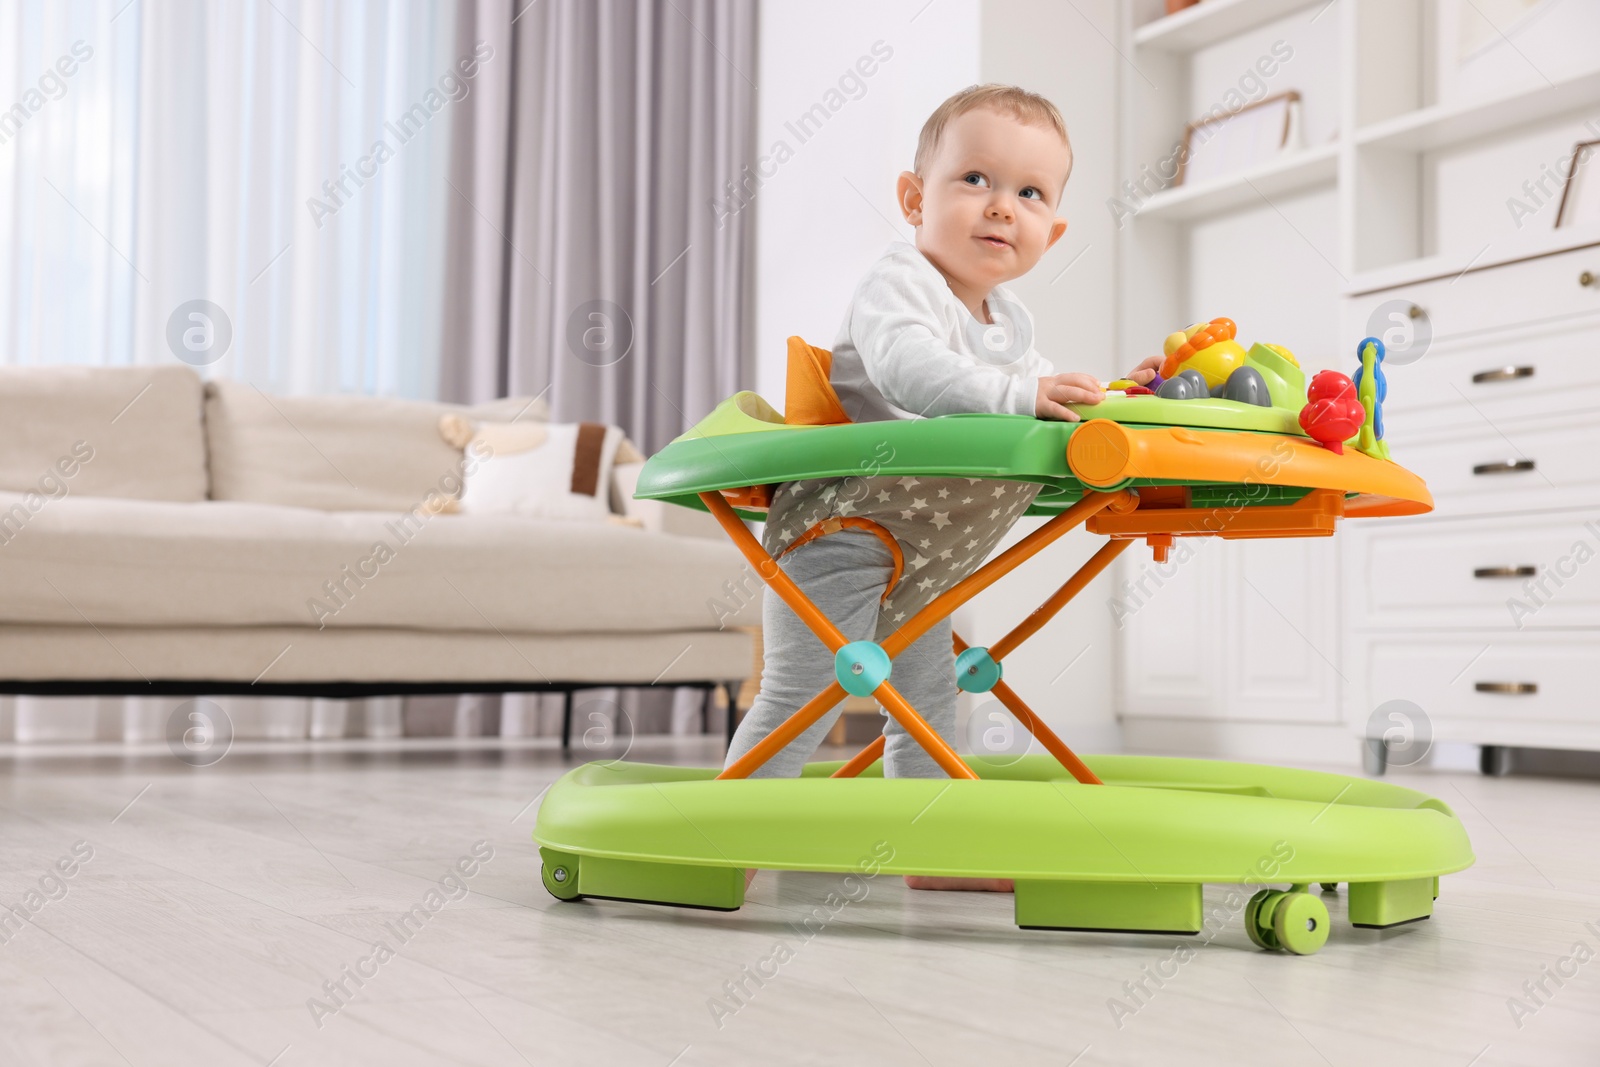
[1225, 444]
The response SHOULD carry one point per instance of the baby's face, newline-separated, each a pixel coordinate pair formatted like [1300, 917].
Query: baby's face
[986, 211]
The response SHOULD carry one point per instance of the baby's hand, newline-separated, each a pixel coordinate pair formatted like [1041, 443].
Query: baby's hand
[1058, 390]
[1146, 371]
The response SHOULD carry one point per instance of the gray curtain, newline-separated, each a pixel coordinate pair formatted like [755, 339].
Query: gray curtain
[591, 247]
[592, 256]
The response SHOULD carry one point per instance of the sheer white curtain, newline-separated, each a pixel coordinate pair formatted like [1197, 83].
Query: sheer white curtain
[259, 188]
[69, 77]
[158, 152]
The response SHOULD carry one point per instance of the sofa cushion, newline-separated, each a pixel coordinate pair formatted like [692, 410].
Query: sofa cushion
[131, 432]
[338, 453]
[543, 470]
[123, 563]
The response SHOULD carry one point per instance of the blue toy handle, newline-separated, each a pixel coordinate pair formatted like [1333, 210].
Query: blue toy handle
[1381, 389]
[1383, 383]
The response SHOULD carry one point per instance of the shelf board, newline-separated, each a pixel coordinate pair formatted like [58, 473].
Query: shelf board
[1212, 21]
[1304, 169]
[1440, 126]
[1497, 253]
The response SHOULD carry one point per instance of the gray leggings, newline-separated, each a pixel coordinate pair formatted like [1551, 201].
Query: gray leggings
[844, 574]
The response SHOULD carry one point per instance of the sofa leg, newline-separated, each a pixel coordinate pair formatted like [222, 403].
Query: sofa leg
[566, 725]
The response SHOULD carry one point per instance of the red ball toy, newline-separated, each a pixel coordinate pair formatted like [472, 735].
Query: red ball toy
[1333, 412]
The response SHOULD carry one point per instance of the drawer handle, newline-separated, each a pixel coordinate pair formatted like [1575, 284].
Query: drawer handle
[1514, 688]
[1502, 374]
[1523, 571]
[1504, 466]
[1587, 279]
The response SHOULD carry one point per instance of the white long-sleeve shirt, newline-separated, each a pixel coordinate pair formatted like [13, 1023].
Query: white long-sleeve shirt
[909, 348]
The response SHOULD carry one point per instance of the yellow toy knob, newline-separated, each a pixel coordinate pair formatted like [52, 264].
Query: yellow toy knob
[1284, 352]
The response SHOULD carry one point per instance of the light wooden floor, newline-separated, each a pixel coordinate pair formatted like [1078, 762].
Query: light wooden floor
[219, 901]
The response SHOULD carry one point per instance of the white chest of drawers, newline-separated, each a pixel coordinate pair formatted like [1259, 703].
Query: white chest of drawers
[1485, 614]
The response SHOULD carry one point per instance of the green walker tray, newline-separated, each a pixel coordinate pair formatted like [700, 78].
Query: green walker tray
[1094, 843]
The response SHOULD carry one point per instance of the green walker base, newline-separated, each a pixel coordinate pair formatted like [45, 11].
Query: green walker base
[1130, 855]
[571, 877]
[1379, 905]
[1109, 907]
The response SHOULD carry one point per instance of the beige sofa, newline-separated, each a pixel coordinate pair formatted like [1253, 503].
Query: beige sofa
[160, 535]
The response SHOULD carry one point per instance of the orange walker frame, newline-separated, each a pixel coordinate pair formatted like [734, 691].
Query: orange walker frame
[913, 628]
[1103, 455]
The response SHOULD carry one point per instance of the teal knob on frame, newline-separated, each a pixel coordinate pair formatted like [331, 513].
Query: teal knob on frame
[976, 671]
[861, 666]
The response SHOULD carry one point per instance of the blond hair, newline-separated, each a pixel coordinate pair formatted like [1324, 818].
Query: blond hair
[1022, 105]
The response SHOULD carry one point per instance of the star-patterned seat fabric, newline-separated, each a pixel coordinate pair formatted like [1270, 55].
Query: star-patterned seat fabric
[946, 527]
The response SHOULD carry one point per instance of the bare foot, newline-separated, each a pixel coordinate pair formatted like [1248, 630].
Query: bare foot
[749, 876]
[979, 885]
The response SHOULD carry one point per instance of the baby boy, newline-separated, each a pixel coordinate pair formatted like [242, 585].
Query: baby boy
[931, 330]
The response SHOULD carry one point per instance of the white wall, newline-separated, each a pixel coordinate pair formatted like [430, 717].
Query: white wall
[1063, 51]
[1058, 50]
[824, 215]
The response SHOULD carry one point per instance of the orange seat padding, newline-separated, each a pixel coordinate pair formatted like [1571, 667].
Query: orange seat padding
[809, 399]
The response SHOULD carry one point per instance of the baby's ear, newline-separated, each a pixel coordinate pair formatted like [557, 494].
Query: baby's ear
[1057, 228]
[908, 193]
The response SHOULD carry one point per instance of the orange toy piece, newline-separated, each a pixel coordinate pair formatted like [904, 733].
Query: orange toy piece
[1187, 343]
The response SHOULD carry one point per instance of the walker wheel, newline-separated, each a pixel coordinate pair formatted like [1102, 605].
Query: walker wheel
[559, 873]
[1330, 887]
[1300, 922]
[1259, 909]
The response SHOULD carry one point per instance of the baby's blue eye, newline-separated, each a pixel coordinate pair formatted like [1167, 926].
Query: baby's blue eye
[969, 178]
[1034, 190]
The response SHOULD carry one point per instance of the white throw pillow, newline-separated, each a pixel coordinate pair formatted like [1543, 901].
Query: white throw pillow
[542, 470]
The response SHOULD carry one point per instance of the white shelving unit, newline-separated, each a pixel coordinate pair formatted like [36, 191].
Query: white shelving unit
[1204, 24]
[1305, 168]
[1395, 185]
[1442, 126]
